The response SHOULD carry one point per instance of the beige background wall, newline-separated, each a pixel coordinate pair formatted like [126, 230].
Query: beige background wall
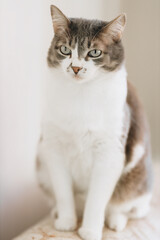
[142, 42]
[26, 32]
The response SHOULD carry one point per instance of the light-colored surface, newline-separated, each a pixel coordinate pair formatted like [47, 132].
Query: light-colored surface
[143, 229]
[26, 32]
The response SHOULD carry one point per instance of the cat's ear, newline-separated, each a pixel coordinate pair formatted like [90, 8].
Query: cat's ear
[115, 28]
[60, 21]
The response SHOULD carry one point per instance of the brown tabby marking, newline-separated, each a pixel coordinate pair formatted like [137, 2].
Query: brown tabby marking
[140, 177]
[138, 131]
[87, 34]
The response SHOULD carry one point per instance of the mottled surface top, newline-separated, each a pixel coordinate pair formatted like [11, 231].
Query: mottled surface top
[144, 229]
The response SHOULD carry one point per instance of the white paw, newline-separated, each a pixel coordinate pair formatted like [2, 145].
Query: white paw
[88, 234]
[117, 222]
[65, 224]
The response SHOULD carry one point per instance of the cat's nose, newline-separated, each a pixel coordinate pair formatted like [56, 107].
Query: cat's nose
[76, 69]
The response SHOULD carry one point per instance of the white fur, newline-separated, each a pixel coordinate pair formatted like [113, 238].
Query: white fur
[138, 153]
[117, 215]
[81, 147]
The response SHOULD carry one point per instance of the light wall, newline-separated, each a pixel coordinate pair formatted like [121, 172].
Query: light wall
[142, 42]
[26, 32]
[21, 72]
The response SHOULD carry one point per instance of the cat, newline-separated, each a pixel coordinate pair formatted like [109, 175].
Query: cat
[94, 157]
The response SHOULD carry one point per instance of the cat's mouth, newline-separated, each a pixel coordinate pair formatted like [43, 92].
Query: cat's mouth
[78, 78]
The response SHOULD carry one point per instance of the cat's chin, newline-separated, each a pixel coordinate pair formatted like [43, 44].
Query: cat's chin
[78, 79]
[81, 80]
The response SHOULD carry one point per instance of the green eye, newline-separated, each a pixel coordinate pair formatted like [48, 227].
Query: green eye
[65, 50]
[94, 53]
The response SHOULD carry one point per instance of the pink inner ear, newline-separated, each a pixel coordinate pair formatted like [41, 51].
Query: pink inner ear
[114, 29]
[117, 36]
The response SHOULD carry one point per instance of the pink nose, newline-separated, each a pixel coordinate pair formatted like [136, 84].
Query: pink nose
[76, 69]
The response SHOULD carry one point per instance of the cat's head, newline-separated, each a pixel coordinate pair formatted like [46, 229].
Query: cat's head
[84, 48]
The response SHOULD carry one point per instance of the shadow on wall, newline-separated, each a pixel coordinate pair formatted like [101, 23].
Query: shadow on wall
[28, 205]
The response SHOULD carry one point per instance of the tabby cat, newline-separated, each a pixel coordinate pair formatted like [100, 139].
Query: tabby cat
[93, 156]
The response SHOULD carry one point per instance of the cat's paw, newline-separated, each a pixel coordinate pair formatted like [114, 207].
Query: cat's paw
[88, 234]
[117, 222]
[65, 224]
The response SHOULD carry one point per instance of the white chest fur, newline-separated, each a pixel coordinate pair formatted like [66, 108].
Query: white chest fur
[75, 113]
[91, 105]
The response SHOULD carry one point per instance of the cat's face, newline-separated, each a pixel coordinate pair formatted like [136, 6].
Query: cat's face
[84, 48]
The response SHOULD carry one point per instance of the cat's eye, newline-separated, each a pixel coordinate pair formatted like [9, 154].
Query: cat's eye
[65, 50]
[95, 53]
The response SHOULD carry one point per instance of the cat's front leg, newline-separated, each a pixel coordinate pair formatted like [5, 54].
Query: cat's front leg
[62, 187]
[107, 168]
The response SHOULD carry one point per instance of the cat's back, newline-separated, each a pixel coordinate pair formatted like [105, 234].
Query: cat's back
[138, 132]
[136, 178]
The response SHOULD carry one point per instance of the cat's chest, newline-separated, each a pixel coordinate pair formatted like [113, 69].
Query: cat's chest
[79, 161]
[84, 108]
